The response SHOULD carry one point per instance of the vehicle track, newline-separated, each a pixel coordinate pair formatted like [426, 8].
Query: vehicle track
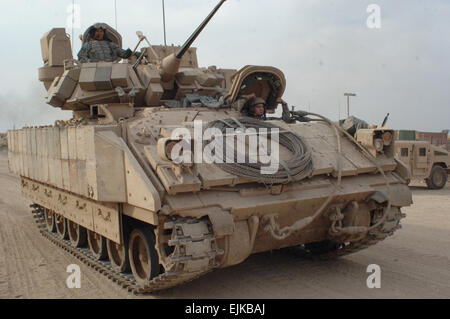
[165, 280]
[177, 277]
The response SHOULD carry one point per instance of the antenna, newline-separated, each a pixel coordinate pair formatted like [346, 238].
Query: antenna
[73, 19]
[115, 13]
[164, 22]
[339, 110]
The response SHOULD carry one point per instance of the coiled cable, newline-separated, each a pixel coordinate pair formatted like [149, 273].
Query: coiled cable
[297, 168]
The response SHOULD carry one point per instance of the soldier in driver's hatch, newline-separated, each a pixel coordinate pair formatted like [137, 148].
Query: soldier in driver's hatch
[257, 108]
[254, 106]
[100, 47]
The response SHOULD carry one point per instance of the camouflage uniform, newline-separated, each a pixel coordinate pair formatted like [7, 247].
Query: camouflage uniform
[96, 51]
[103, 50]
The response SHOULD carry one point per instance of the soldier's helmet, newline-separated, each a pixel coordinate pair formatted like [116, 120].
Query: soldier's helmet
[258, 100]
[93, 28]
[110, 34]
[254, 102]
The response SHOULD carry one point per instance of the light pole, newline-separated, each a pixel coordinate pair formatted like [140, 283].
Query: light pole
[164, 22]
[348, 102]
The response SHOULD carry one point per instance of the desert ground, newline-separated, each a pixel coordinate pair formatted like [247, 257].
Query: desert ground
[415, 262]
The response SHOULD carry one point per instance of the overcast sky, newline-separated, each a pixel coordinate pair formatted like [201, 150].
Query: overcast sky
[324, 47]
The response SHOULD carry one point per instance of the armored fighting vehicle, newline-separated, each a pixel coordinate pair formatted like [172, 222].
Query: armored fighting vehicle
[108, 187]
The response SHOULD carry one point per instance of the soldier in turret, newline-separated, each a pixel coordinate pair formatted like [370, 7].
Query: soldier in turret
[100, 47]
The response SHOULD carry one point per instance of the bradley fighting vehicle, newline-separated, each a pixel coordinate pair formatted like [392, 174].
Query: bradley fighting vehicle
[106, 187]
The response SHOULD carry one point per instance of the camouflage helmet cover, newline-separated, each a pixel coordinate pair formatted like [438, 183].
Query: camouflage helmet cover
[96, 26]
[258, 100]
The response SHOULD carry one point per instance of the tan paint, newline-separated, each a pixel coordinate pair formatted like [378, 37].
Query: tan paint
[107, 163]
[102, 218]
[421, 156]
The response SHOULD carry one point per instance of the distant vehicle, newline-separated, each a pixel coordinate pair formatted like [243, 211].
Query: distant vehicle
[425, 161]
[3, 141]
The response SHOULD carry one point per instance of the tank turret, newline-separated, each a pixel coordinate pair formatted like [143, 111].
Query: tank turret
[143, 80]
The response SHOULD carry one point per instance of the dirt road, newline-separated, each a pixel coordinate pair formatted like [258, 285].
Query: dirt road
[415, 262]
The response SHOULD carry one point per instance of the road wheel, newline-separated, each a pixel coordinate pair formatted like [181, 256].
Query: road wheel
[61, 226]
[50, 220]
[143, 256]
[118, 256]
[77, 234]
[97, 245]
[437, 179]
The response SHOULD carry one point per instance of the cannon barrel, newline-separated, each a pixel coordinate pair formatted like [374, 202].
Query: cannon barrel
[171, 64]
[197, 32]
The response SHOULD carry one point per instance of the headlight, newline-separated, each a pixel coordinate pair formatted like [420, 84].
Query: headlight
[169, 146]
[376, 141]
[387, 138]
[379, 144]
[166, 145]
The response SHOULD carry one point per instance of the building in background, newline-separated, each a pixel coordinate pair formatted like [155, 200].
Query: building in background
[441, 139]
[437, 139]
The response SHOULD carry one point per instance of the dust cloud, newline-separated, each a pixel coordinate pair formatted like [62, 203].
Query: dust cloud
[28, 108]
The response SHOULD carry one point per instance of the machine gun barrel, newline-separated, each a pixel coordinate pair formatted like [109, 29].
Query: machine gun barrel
[197, 32]
[171, 64]
[385, 120]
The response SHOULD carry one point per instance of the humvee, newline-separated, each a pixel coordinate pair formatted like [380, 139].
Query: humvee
[3, 141]
[425, 161]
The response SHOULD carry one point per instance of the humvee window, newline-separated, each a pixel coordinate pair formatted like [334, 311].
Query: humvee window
[422, 152]
[405, 152]
[437, 153]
